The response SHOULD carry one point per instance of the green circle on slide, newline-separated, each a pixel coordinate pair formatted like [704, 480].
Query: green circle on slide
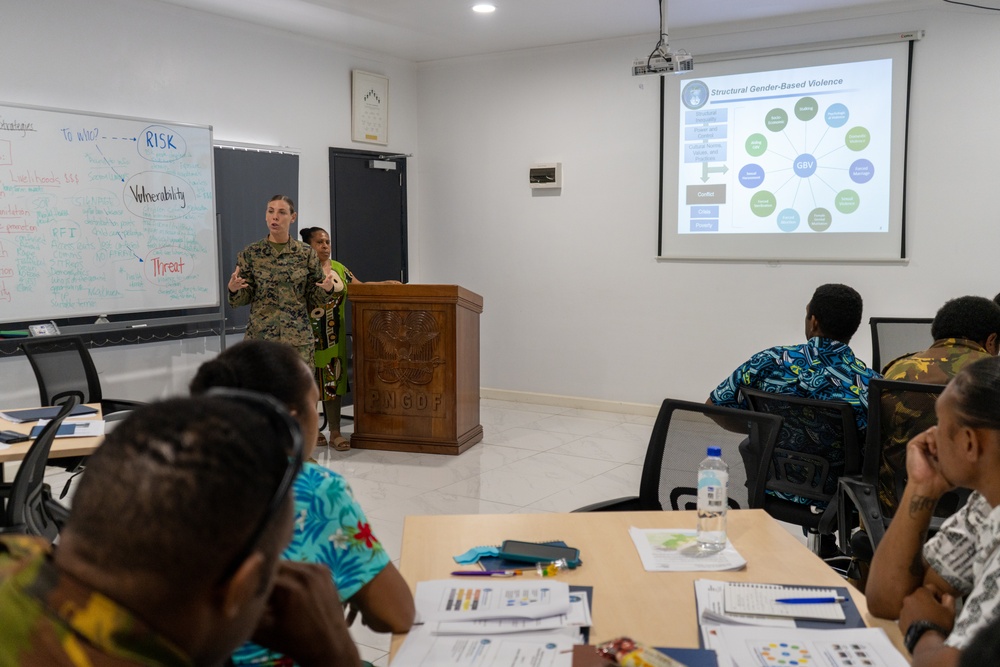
[819, 219]
[858, 138]
[763, 203]
[806, 108]
[776, 120]
[756, 144]
[847, 201]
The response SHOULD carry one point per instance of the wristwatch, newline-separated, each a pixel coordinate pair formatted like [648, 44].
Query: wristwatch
[917, 630]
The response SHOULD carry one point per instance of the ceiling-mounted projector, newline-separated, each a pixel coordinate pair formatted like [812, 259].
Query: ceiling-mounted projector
[662, 60]
[665, 63]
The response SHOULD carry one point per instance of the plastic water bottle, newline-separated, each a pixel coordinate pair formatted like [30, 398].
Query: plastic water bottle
[713, 501]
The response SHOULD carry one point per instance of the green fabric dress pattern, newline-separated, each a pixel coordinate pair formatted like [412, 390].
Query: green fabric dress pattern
[330, 338]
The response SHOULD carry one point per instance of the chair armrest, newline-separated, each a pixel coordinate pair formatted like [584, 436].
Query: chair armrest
[58, 512]
[626, 504]
[852, 491]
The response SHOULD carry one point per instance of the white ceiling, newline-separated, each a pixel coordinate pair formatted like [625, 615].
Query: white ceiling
[420, 30]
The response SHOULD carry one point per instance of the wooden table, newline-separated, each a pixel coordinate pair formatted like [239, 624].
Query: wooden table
[61, 447]
[657, 608]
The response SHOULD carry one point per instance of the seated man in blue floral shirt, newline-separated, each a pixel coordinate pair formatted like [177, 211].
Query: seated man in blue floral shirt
[824, 367]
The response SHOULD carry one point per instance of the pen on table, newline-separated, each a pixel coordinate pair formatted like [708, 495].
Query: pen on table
[811, 600]
[486, 573]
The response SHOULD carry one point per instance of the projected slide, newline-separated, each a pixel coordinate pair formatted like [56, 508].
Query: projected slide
[791, 151]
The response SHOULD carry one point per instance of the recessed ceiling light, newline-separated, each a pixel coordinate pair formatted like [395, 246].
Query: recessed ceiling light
[484, 9]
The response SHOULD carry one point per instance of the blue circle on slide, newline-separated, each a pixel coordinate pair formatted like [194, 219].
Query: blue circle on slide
[751, 175]
[788, 220]
[804, 165]
[837, 115]
[862, 171]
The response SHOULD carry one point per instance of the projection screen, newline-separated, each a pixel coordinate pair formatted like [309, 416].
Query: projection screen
[795, 156]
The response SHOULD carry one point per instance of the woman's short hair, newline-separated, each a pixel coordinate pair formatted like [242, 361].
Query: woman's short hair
[265, 366]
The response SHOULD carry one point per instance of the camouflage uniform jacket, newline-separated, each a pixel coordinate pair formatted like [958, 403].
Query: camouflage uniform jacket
[905, 417]
[281, 291]
[48, 618]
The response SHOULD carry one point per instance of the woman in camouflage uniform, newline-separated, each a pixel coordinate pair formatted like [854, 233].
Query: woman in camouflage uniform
[283, 282]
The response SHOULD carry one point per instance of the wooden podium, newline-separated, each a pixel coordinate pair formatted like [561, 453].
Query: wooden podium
[416, 368]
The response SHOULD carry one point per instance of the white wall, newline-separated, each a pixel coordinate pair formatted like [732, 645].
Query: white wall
[251, 83]
[576, 304]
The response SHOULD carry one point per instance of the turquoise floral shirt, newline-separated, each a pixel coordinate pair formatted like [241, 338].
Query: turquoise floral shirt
[330, 528]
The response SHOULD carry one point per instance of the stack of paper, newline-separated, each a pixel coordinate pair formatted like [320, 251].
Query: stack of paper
[72, 428]
[742, 623]
[520, 622]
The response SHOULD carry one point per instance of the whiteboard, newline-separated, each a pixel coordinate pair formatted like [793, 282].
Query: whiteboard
[104, 214]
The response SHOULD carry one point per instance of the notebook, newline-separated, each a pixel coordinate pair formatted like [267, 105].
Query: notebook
[760, 600]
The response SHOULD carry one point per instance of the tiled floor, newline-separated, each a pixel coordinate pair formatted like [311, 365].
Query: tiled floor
[533, 458]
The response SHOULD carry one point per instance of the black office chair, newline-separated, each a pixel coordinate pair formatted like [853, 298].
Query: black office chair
[681, 435]
[63, 367]
[893, 337]
[818, 444]
[897, 411]
[30, 508]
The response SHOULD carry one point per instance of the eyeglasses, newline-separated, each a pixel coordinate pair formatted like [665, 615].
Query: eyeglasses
[283, 423]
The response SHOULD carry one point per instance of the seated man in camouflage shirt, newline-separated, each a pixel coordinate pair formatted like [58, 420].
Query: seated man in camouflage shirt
[965, 330]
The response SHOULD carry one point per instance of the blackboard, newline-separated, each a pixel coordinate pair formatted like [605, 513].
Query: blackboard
[245, 179]
[104, 214]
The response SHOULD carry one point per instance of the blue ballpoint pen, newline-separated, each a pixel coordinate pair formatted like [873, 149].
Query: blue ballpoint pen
[486, 573]
[810, 600]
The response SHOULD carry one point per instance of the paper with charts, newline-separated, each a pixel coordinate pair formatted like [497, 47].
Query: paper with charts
[673, 550]
[577, 617]
[451, 600]
[796, 647]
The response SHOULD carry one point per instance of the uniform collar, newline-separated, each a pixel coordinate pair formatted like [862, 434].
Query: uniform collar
[958, 342]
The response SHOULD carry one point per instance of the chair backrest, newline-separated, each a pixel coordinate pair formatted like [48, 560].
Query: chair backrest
[897, 411]
[681, 435]
[63, 367]
[818, 443]
[892, 337]
[26, 511]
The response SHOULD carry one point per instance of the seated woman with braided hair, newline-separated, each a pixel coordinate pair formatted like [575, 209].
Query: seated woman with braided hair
[330, 526]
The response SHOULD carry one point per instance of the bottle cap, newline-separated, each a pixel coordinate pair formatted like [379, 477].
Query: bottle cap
[715, 451]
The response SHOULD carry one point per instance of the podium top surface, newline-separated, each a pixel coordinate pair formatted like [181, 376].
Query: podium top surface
[415, 293]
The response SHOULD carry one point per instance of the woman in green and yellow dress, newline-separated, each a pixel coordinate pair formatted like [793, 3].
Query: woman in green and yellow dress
[329, 329]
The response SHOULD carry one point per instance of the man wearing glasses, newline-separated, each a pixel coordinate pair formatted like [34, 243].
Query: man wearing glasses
[171, 553]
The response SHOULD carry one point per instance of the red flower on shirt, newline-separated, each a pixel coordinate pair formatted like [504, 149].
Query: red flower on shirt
[364, 534]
